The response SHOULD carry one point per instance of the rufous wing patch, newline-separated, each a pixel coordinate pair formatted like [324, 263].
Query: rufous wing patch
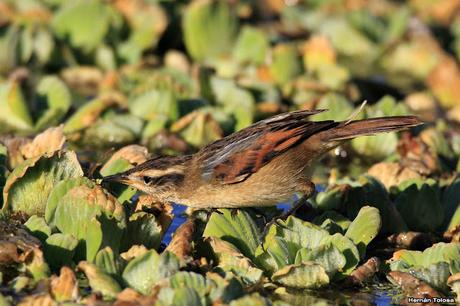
[243, 163]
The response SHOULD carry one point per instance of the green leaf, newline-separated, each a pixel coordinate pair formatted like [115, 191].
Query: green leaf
[302, 276]
[116, 130]
[147, 22]
[153, 103]
[331, 199]
[297, 234]
[200, 284]
[439, 252]
[347, 40]
[252, 46]
[282, 253]
[236, 101]
[109, 262]
[4, 301]
[376, 147]
[232, 260]
[142, 229]
[286, 63]
[3, 169]
[451, 205]
[240, 230]
[9, 43]
[339, 108]
[99, 281]
[15, 115]
[29, 185]
[59, 250]
[38, 227]
[43, 45]
[154, 126]
[209, 29]
[86, 115]
[254, 299]
[369, 191]
[347, 248]
[85, 22]
[435, 274]
[198, 128]
[364, 228]
[26, 40]
[36, 265]
[327, 255]
[95, 218]
[186, 296]
[59, 191]
[55, 100]
[335, 217]
[420, 206]
[144, 271]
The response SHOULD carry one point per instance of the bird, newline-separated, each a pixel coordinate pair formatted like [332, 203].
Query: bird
[262, 165]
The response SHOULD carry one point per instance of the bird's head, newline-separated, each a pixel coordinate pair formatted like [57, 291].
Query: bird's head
[159, 177]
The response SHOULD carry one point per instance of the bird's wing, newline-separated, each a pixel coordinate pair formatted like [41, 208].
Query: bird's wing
[234, 158]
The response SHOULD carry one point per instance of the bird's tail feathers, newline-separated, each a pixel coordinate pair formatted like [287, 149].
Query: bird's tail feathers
[351, 129]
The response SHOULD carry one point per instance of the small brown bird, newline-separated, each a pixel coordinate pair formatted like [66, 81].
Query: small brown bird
[261, 165]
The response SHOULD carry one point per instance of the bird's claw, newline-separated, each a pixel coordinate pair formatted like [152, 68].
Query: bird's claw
[234, 212]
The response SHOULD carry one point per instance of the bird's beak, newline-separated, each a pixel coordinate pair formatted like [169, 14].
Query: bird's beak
[119, 178]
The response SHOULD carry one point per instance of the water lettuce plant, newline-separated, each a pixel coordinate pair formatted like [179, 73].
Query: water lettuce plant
[90, 88]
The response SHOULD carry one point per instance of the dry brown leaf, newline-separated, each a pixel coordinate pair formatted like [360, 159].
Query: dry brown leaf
[134, 251]
[392, 174]
[442, 11]
[269, 107]
[317, 52]
[94, 299]
[64, 287]
[49, 141]
[177, 60]
[413, 287]
[181, 242]
[6, 13]
[166, 140]
[453, 234]
[17, 234]
[162, 211]
[417, 154]
[85, 80]
[264, 74]
[132, 9]
[423, 104]
[130, 297]
[134, 154]
[452, 281]
[364, 272]
[38, 300]
[8, 253]
[13, 145]
[411, 240]
[444, 82]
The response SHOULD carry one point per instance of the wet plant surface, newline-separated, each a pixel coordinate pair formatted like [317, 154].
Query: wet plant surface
[91, 88]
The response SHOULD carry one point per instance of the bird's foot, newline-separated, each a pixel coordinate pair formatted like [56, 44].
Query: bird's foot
[215, 210]
[234, 212]
[210, 211]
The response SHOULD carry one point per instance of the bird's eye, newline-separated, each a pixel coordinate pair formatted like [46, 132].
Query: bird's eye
[147, 180]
